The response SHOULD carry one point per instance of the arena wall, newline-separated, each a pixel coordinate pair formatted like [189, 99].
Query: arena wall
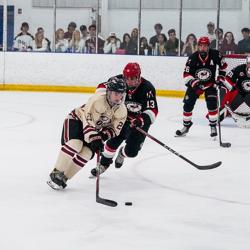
[82, 72]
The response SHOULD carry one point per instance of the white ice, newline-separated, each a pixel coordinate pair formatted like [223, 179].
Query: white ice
[175, 206]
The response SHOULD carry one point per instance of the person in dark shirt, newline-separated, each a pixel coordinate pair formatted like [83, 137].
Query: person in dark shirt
[199, 76]
[244, 44]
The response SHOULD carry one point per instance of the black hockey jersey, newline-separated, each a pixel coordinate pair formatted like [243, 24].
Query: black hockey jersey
[204, 70]
[141, 100]
[238, 78]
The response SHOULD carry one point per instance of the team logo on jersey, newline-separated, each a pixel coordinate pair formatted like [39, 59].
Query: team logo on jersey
[203, 74]
[133, 107]
[246, 85]
[103, 121]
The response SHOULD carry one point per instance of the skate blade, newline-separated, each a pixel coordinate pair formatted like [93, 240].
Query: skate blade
[54, 185]
[180, 135]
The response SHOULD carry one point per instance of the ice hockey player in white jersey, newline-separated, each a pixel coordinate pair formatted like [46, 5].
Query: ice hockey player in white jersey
[87, 128]
[236, 101]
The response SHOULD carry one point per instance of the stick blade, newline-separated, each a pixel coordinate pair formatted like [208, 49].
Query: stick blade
[106, 202]
[207, 167]
[225, 144]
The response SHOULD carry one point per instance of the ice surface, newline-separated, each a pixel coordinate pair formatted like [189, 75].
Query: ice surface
[175, 206]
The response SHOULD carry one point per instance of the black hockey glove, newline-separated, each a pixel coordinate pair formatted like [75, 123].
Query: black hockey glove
[137, 122]
[107, 133]
[96, 143]
[193, 83]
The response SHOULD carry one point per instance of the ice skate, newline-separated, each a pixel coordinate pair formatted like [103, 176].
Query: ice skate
[184, 130]
[119, 159]
[213, 133]
[57, 180]
[100, 168]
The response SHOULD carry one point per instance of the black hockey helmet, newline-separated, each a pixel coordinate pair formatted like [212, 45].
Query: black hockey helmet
[117, 85]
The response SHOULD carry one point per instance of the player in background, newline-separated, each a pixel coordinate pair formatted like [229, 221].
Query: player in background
[236, 101]
[85, 130]
[199, 76]
[142, 109]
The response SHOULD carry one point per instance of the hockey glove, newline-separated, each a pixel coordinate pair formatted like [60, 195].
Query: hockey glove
[193, 83]
[107, 133]
[137, 122]
[96, 143]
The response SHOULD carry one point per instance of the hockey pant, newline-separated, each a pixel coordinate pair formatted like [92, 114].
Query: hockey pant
[190, 99]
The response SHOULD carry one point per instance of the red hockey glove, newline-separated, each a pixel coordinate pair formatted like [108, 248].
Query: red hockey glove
[137, 122]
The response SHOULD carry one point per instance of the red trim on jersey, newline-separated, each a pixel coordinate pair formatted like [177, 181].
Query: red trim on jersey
[186, 74]
[205, 60]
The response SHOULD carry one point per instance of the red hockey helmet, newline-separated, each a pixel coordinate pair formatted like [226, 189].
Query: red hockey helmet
[132, 75]
[132, 70]
[204, 40]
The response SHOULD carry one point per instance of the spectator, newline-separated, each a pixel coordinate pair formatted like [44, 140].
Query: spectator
[145, 49]
[219, 38]
[41, 30]
[210, 31]
[134, 37]
[172, 46]
[23, 41]
[84, 32]
[111, 44]
[128, 45]
[62, 44]
[76, 44]
[190, 45]
[154, 39]
[244, 44]
[162, 45]
[91, 41]
[40, 44]
[71, 29]
[228, 45]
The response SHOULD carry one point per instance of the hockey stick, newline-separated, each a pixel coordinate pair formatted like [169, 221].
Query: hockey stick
[100, 200]
[222, 144]
[200, 167]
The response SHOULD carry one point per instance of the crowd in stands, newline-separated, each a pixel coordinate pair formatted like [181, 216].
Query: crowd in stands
[83, 40]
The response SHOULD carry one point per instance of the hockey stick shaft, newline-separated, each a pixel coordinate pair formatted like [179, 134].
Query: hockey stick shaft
[200, 167]
[100, 200]
[222, 144]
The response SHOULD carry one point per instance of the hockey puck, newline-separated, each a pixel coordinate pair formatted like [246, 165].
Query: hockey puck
[128, 203]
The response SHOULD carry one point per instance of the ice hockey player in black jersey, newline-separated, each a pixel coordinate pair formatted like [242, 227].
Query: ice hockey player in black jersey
[142, 109]
[236, 101]
[199, 76]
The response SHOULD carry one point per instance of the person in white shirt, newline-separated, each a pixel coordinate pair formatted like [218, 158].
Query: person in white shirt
[23, 41]
[111, 44]
[210, 31]
[76, 44]
[40, 44]
[62, 44]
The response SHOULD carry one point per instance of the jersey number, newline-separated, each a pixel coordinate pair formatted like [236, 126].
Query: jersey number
[151, 104]
[119, 126]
